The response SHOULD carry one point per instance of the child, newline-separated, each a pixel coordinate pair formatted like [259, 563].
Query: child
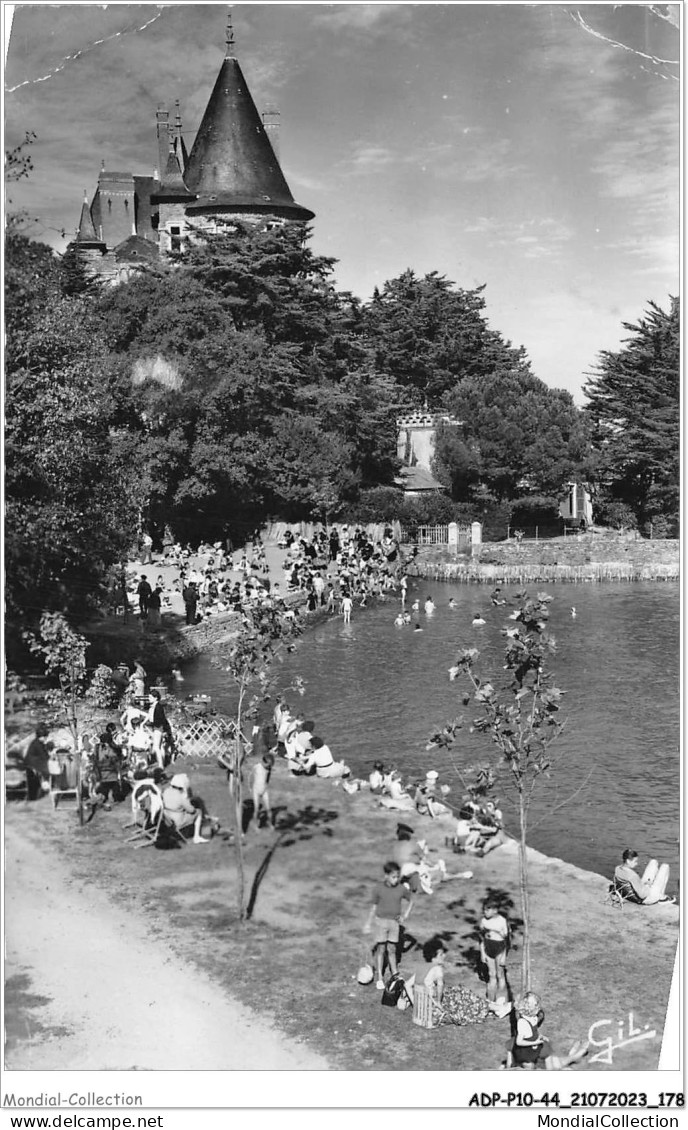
[386, 914]
[260, 779]
[529, 1048]
[494, 942]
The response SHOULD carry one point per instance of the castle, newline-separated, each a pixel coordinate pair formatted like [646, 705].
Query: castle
[232, 171]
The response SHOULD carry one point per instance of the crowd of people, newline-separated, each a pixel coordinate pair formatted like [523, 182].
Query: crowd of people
[137, 748]
[330, 570]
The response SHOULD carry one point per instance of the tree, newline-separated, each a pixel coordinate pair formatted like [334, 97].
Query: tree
[521, 721]
[264, 636]
[18, 164]
[634, 409]
[515, 431]
[429, 336]
[274, 405]
[64, 657]
[70, 484]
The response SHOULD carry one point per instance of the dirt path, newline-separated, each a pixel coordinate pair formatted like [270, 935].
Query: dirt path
[92, 990]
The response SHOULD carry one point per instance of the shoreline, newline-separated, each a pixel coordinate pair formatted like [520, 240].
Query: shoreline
[590, 960]
[302, 946]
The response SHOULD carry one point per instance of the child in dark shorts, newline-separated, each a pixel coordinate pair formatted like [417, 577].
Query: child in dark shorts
[494, 942]
[386, 915]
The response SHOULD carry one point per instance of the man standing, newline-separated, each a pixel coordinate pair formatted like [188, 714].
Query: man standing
[190, 598]
[36, 761]
[144, 592]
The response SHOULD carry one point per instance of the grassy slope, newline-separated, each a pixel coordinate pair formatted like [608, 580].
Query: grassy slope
[296, 959]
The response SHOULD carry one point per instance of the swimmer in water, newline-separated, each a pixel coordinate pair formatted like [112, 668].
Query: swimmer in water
[477, 619]
[399, 620]
[573, 613]
[452, 602]
[429, 606]
[417, 628]
[407, 617]
[415, 606]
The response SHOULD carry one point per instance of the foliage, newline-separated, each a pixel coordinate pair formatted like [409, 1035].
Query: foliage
[430, 335]
[18, 164]
[70, 485]
[634, 409]
[247, 381]
[266, 634]
[102, 690]
[515, 431]
[63, 653]
[535, 510]
[521, 720]
[614, 513]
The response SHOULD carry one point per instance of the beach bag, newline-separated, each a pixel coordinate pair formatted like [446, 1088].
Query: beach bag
[393, 990]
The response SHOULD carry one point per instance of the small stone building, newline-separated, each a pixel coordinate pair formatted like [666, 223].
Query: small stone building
[416, 450]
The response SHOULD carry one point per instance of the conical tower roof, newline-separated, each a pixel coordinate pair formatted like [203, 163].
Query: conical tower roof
[232, 165]
[86, 232]
[172, 187]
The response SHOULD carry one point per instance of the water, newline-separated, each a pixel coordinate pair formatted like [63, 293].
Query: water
[377, 692]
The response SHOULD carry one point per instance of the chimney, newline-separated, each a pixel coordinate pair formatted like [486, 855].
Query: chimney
[162, 118]
[271, 124]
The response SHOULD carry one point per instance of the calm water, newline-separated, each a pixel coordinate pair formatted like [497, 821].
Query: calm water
[377, 691]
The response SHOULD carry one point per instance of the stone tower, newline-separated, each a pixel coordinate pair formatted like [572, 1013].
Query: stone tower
[232, 168]
[231, 172]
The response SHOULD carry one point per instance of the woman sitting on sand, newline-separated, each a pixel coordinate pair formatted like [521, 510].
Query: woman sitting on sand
[376, 780]
[322, 763]
[426, 800]
[647, 889]
[452, 1004]
[398, 798]
[486, 832]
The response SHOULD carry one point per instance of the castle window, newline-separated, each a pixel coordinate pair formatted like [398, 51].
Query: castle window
[175, 239]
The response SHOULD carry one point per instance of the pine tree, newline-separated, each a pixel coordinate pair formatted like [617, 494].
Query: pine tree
[634, 406]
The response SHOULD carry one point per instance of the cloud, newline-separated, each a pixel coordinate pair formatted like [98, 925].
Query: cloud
[370, 158]
[537, 238]
[359, 17]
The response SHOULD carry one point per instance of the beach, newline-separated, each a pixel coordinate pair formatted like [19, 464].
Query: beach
[297, 956]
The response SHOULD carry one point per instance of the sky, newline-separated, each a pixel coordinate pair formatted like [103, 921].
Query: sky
[533, 148]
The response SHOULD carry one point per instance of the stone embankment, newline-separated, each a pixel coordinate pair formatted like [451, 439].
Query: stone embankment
[590, 557]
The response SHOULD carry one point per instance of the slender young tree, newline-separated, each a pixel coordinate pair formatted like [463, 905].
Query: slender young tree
[64, 657]
[263, 639]
[522, 722]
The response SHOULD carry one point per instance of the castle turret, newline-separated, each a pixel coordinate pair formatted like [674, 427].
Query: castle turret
[232, 167]
[172, 199]
[113, 208]
[88, 246]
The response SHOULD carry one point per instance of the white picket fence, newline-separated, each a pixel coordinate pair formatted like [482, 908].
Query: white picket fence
[434, 535]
